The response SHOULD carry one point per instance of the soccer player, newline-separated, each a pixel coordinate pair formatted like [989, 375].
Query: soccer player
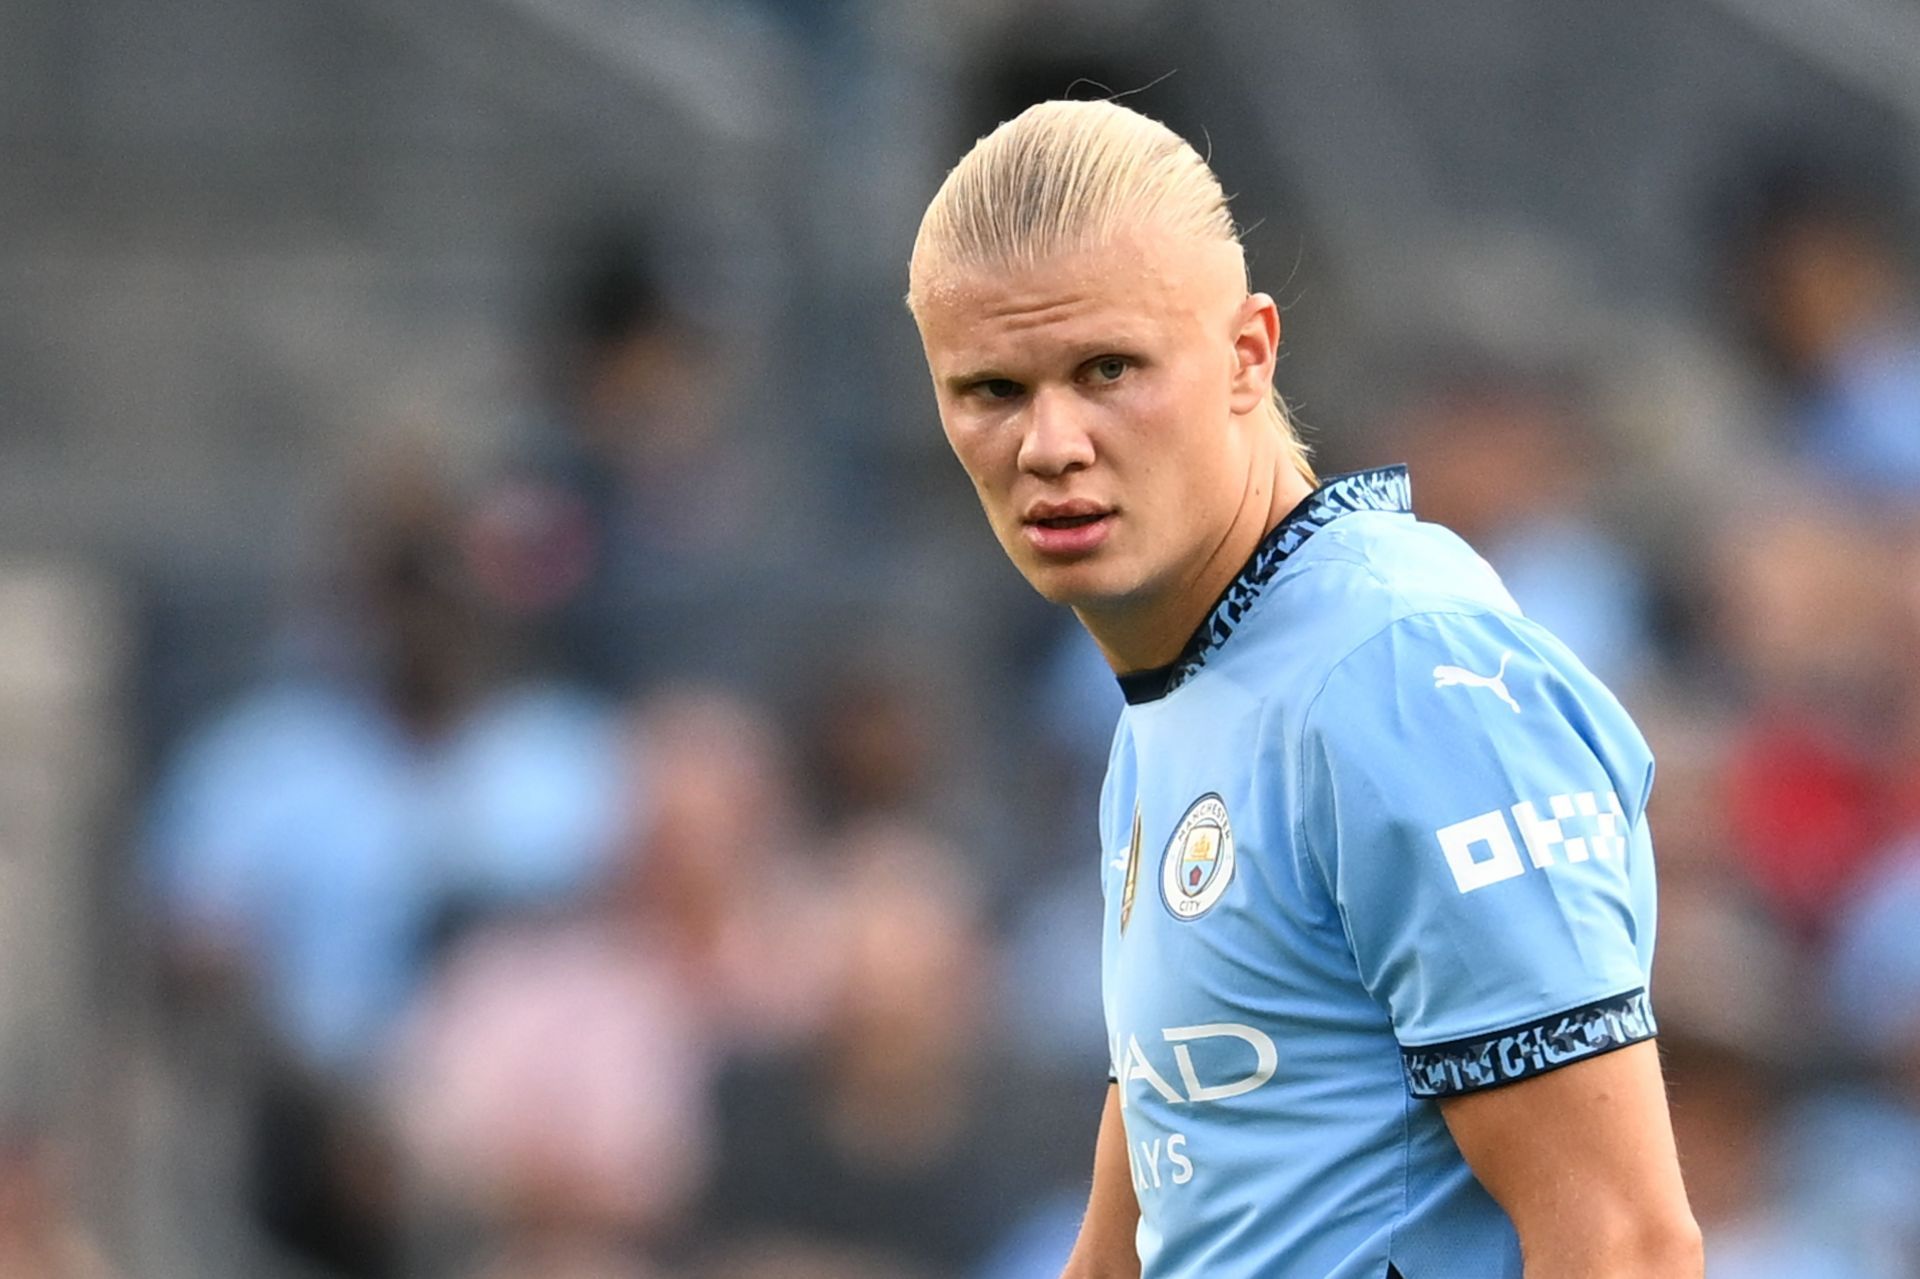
[1379, 890]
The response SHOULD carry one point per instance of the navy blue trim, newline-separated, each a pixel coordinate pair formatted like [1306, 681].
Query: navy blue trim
[1521, 1052]
[1384, 488]
[1149, 685]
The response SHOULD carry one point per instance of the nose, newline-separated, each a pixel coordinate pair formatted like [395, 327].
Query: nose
[1055, 441]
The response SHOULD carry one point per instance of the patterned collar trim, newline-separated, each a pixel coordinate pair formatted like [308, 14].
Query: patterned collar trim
[1385, 488]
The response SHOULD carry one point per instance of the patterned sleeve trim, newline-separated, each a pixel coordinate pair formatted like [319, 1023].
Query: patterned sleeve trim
[1507, 1056]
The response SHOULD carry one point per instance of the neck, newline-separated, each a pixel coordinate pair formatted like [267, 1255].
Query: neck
[1137, 638]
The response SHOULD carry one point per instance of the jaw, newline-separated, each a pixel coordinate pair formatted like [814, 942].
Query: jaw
[1102, 585]
[1072, 585]
[1141, 618]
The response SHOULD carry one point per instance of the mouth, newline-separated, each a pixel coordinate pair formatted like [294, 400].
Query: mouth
[1067, 531]
[1070, 521]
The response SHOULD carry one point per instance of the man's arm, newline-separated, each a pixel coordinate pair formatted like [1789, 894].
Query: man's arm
[1105, 1249]
[1582, 1159]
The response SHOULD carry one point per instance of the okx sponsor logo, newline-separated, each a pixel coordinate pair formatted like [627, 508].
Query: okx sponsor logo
[1568, 828]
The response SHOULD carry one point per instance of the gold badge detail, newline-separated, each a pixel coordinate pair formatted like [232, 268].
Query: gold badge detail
[1133, 871]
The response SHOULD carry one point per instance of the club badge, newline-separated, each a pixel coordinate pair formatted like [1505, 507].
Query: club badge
[1198, 864]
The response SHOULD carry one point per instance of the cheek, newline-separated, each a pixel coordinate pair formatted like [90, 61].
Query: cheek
[983, 455]
[1187, 457]
[1170, 421]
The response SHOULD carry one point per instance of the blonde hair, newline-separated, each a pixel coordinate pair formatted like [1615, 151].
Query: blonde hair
[1064, 176]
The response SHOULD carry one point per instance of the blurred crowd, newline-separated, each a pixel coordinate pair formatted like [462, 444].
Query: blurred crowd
[525, 952]
[494, 932]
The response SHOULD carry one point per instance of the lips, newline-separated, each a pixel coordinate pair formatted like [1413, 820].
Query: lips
[1055, 514]
[1070, 521]
[1065, 530]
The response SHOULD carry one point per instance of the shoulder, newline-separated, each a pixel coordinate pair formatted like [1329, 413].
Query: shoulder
[1418, 645]
[267, 728]
[1382, 567]
[1451, 701]
[1376, 583]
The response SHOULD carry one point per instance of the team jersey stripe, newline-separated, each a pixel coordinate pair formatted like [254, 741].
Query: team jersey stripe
[1521, 1052]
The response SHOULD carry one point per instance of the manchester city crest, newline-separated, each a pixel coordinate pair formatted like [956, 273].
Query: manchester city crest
[1198, 864]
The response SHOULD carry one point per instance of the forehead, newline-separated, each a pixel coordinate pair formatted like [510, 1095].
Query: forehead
[1137, 289]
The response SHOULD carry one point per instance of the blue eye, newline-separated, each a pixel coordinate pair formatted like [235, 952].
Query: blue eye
[1109, 368]
[998, 388]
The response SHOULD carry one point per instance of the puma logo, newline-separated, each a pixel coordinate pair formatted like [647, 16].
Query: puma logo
[1448, 676]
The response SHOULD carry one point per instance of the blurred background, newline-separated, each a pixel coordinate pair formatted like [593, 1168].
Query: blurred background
[521, 759]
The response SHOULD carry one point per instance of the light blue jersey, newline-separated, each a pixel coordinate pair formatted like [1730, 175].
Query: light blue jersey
[1374, 840]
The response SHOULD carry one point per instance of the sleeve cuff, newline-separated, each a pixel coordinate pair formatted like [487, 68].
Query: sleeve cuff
[1534, 1048]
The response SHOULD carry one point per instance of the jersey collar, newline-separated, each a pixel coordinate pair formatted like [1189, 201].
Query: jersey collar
[1384, 488]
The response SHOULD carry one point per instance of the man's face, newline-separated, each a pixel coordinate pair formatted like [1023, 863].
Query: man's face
[1103, 402]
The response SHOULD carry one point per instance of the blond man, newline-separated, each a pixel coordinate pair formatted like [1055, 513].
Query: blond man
[1379, 888]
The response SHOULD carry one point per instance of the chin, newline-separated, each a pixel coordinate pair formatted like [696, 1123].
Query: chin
[1086, 584]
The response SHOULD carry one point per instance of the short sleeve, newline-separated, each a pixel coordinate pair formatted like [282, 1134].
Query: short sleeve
[1474, 801]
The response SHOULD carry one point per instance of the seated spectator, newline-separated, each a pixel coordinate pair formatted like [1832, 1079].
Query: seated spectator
[722, 875]
[309, 847]
[1828, 295]
[885, 736]
[554, 1088]
[1806, 631]
[657, 529]
[876, 1136]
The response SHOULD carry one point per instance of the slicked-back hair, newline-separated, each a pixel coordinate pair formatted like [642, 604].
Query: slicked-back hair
[1066, 176]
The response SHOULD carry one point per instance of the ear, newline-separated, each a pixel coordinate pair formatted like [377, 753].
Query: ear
[1256, 346]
